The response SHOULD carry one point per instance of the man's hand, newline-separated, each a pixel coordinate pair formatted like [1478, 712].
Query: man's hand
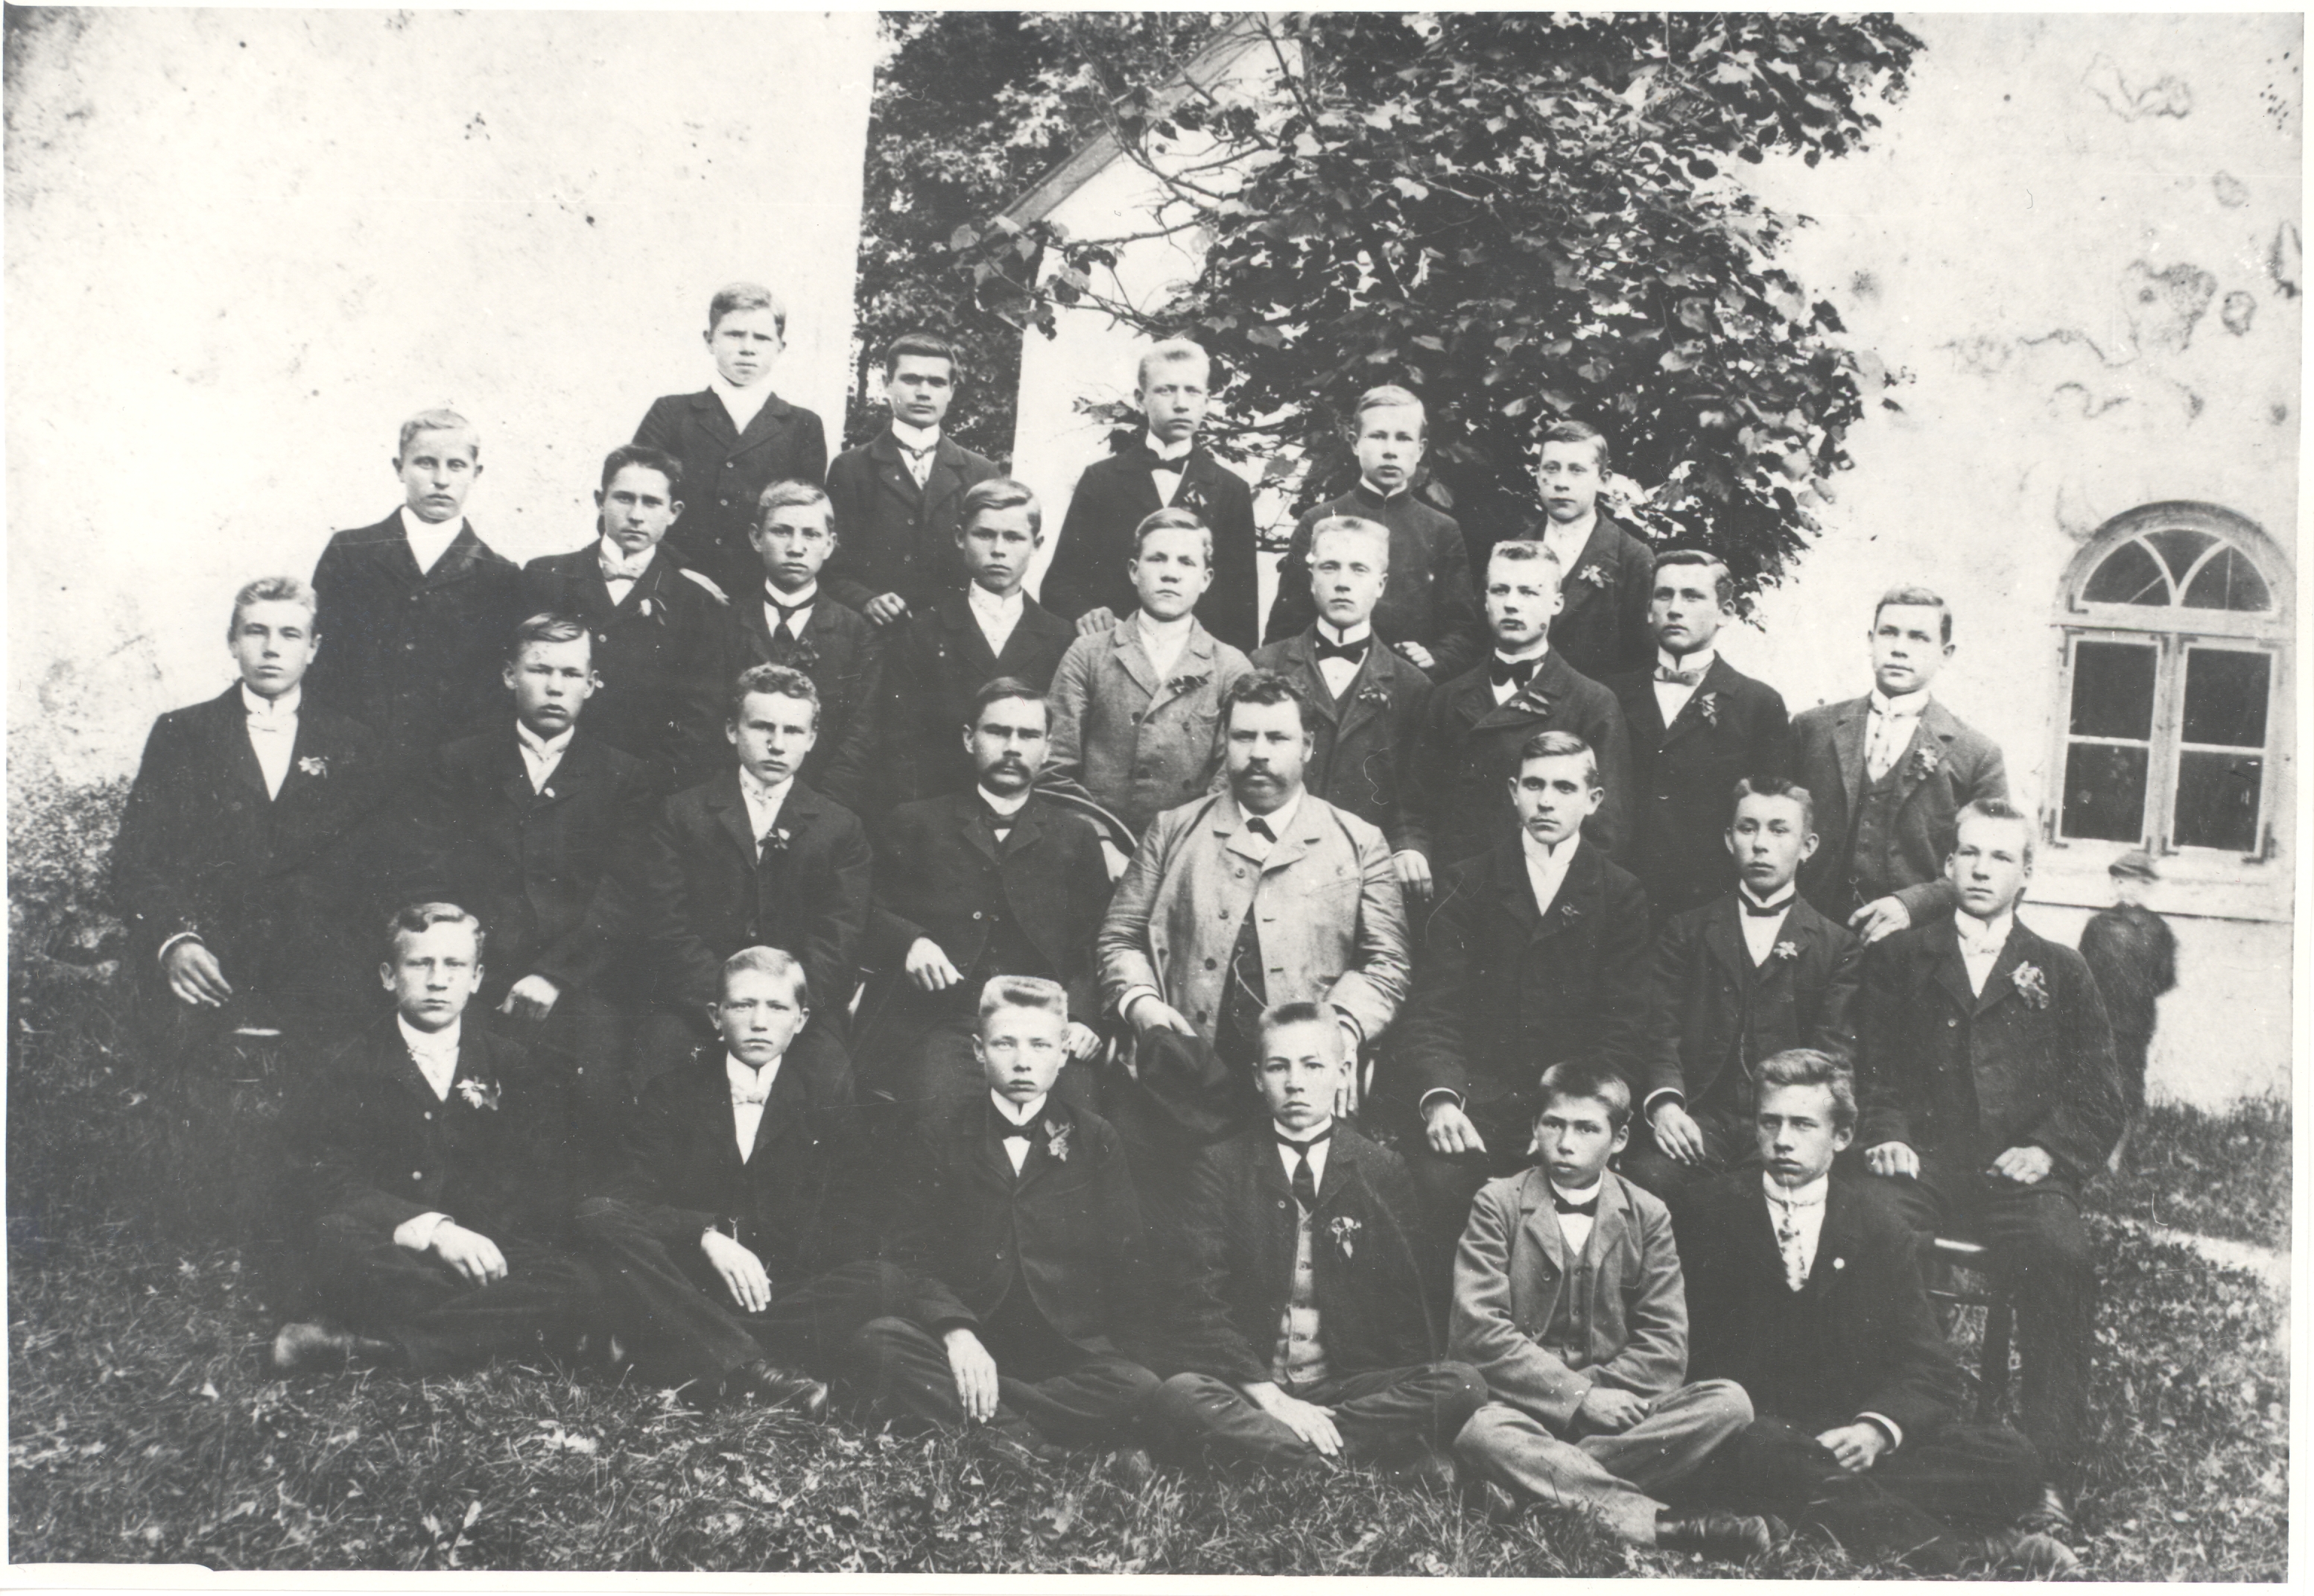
[1307, 1420]
[1676, 1132]
[474, 1255]
[1081, 1040]
[1346, 1095]
[884, 608]
[1893, 1158]
[1449, 1130]
[742, 1272]
[1154, 1014]
[1855, 1447]
[531, 998]
[1413, 868]
[1421, 658]
[195, 976]
[1882, 916]
[930, 968]
[1096, 619]
[2027, 1166]
[975, 1374]
[1607, 1412]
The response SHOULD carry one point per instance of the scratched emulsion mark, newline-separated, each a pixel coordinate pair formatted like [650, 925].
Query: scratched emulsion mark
[2164, 96]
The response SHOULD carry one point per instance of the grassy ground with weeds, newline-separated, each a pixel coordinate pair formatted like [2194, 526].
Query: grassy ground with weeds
[143, 1426]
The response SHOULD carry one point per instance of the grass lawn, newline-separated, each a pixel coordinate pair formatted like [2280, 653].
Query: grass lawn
[143, 1426]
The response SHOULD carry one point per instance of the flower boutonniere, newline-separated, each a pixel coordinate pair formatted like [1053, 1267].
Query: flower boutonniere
[1192, 495]
[1925, 761]
[2031, 985]
[314, 765]
[805, 656]
[1707, 706]
[1374, 694]
[1183, 684]
[1594, 574]
[776, 840]
[480, 1093]
[1343, 1229]
[1057, 1141]
[1787, 950]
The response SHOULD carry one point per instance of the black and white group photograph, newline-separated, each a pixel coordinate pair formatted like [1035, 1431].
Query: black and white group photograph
[1075, 793]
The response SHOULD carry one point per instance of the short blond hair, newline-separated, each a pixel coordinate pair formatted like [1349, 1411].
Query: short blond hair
[1023, 991]
[1172, 351]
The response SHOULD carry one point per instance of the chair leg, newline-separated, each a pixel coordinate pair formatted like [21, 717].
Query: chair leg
[1993, 1373]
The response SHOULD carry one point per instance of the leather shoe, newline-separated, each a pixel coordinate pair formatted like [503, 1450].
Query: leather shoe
[1715, 1534]
[760, 1385]
[2053, 1515]
[304, 1348]
[1425, 1473]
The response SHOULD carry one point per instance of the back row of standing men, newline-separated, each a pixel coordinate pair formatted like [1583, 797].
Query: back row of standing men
[869, 652]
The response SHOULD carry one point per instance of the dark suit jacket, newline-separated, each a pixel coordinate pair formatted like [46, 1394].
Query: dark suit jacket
[1683, 779]
[941, 873]
[1430, 598]
[1372, 1312]
[278, 888]
[934, 661]
[1468, 751]
[1502, 991]
[1112, 498]
[793, 1201]
[1946, 766]
[1358, 758]
[1067, 1231]
[1726, 1013]
[658, 652]
[550, 873]
[417, 659]
[724, 472]
[376, 1148]
[893, 536]
[842, 653]
[2133, 955]
[704, 898]
[1967, 1077]
[1859, 1339]
[1602, 627]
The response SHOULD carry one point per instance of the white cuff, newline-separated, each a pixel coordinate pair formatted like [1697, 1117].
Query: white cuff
[1133, 995]
[418, 1233]
[1657, 1095]
[1895, 1432]
[1449, 1092]
[163, 956]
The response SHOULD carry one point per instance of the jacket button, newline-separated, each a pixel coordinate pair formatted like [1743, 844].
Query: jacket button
[1281, 1202]
[1212, 964]
[427, 1114]
[975, 914]
[414, 1175]
[1950, 1022]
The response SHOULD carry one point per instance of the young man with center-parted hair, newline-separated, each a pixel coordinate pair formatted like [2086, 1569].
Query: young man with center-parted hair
[788, 619]
[1890, 772]
[437, 1161]
[1604, 568]
[1090, 582]
[247, 846]
[735, 1233]
[1474, 727]
[534, 826]
[1429, 610]
[1368, 697]
[1018, 1223]
[1533, 952]
[1302, 1332]
[752, 857]
[941, 654]
[735, 437]
[898, 497]
[658, 625]
[416, 607]
[1755, 974]
[1991, 1098]
[1135, 706]
[1698, 726]
[991, 880]
[1568, 1301]
[1803, 1287]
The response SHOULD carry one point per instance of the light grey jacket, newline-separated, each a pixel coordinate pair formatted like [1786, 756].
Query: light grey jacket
[1135, 744]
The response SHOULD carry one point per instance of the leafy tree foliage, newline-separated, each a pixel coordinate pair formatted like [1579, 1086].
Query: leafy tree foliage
[1521, 216]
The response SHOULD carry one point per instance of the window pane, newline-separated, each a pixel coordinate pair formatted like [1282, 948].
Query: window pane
[2180, 548]
[2229, 581]
[2217, 801]
[2113, 689]
[2129, 575]
[2105, 792]
[2225, 697]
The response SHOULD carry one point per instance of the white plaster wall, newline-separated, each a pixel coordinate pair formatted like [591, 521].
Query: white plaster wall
[243, 245]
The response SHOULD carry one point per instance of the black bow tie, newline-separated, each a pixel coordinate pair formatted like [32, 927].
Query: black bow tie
[1682, 678]
[1301, 1148]
[1352, 652]
[1767, 910]
[1587, 1210]
[1511, 670]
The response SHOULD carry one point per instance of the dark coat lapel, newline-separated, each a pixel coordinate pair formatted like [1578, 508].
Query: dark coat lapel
[1836, 1242]
[731, 810]
[767, 423]
[892, 472]
[972, 824]
[1722, 938]
[710, 413]
[1514, 891]
[966, 638]
[457, 561]
[1720, 681]
[1941, 950]
[2017, 950]
[1580, 891]
[1849, 734]
[228, 720]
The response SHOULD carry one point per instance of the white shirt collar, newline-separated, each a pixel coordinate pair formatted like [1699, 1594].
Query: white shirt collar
[617, 565]
[914, 440]
[795, 601]
[1023, 1117]
[435, 1054]
[1811, 1196]
[741, 404]
[1784, 894]
[1340, 634]
[1575, 533]
[1384, 495]
[283, 708]
[1006, 806]
[1535, 650]
[1700, 659]
[1546, 867]
[542, 748]
[1316, 1152]
[985, 603]
[1170, 455]
[1990, 935]
[744, 1077]
[1580, 1193]
[1903, 706]
[429, 540]
[1174, 632]
[764, 803]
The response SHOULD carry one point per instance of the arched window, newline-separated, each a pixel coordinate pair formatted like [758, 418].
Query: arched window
[2176, 641]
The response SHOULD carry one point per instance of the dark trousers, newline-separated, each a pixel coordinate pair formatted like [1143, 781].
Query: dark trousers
[677, 1317]
[1445, 1183]
[2041, 1253]
[1918, 1504]
[1048, 1389]
[1729, 1145]
[587, 1036]
[544, 1303]
[1380, 1412]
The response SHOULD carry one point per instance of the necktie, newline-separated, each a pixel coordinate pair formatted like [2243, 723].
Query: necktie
[623, 571]
[920, 461]
[1891, 732]
[1352, 652]
[1260, 828]
[1587, 1210]
[1305, 1181]
[1683, 678]
[750, 1096]
[1511, 670]
[788, 613]
[1788, 1243]
[1767, 910]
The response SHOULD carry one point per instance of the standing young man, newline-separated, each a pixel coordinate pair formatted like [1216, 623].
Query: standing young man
[1604, 567]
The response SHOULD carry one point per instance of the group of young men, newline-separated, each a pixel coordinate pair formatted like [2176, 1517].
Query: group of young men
[1512, 1050]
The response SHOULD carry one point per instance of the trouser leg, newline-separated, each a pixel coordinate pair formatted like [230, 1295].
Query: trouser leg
[1978, 1478]
[1516, 1449]
[1091, 1401]
[2041, 1249]
[438, 1323]
[809, 1323]
[1681, 1429]
[1384, 1412]
[1776, 1467]
[1098, 1401]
